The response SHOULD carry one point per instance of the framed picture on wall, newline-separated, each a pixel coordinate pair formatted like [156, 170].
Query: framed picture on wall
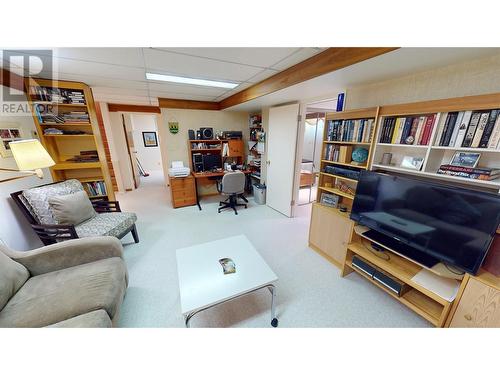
[150, 139]
[8, 134]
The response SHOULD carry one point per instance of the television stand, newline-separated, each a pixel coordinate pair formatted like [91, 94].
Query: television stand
[400, 248]
[426, 303]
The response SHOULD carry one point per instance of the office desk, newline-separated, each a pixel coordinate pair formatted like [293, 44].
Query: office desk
[198, 175]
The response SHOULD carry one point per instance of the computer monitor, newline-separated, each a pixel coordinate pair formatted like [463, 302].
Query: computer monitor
[211, 161]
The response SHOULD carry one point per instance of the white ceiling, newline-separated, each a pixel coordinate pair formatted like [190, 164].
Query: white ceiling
[398, 63]
[118, 74]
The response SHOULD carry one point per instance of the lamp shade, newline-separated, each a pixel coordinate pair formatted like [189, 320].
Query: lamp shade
[30, 155]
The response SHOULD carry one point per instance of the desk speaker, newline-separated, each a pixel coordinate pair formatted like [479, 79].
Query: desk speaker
[207, 133]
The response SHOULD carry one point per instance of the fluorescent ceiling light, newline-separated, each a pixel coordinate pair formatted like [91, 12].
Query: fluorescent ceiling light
[190, 81]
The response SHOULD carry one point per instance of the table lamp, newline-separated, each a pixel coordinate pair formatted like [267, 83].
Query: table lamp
[30, 157]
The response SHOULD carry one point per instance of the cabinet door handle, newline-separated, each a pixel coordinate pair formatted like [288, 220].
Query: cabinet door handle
[468, 317]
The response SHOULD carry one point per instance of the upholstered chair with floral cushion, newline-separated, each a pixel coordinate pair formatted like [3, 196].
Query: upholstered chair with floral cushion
[63, 211]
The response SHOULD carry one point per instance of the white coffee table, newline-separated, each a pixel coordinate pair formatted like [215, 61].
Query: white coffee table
[203, 284]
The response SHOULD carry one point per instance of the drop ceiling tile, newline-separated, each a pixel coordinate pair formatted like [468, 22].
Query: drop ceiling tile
[259, 57]
[118, 56]
[186, 89]
[266, 73]
[299, 56]
[119, 91]
[99, 70]
[241, 87]
[174, 95]
[94, 81]
[159, 61]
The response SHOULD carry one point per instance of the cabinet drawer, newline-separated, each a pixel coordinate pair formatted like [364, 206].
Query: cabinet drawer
[478, 307]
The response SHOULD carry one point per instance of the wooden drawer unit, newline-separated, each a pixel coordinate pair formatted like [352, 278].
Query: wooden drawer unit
[478, 305]
[330, 232]
[183, 191]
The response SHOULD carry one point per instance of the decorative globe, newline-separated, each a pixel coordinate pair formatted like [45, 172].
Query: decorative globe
[360, 155]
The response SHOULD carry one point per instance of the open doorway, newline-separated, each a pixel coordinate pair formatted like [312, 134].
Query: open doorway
[310, 155]
[146, 155]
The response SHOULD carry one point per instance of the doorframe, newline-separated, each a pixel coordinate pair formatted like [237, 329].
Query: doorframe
[300, 140]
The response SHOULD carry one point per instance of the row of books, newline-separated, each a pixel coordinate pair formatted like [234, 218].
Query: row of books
[350, 130]
[58, 95]
[95, 188]
[479, 129]
[407, 130]
[486, 174]
[46, 116]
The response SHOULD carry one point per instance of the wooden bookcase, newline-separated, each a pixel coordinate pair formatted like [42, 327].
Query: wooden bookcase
[330, 229]
[433, 154]
[65, 146]
[329, 182]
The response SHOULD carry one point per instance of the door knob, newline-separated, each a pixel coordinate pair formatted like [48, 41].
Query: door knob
[268, 162]
[468, 316]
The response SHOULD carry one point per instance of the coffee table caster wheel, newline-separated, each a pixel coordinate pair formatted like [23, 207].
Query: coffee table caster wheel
[274, 322]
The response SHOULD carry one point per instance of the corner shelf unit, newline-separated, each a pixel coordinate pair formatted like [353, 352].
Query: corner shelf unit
[327, 181]
[65, 146]
[331, 229]
[434, 155]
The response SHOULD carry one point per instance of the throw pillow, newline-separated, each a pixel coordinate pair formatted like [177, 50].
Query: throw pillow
[71, 209]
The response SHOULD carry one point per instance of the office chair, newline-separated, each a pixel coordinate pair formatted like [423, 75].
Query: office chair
[233, 184]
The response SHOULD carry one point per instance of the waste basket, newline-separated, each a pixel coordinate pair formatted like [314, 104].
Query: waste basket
[259, 193]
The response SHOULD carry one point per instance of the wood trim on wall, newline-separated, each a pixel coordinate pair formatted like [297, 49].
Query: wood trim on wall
[112, 107]
[12, 80]
[187, 104]
[325, 62]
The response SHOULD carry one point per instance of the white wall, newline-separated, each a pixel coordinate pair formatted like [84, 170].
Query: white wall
[150, 157]
[480, 76]
[14, 228]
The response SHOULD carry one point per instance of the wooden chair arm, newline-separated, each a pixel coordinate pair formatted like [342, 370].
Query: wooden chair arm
[106, 206]
[51, 233]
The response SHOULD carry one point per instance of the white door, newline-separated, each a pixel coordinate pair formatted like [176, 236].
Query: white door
[281, 148]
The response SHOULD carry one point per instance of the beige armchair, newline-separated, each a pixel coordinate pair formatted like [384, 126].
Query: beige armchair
[76, 283]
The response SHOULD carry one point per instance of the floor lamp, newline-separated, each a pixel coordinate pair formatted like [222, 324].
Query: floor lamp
[30, 157]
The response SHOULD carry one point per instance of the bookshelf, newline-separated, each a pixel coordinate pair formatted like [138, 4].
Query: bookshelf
[66, 122]
[255, 145]
[433, 153]
[329, 182]
[331, 229]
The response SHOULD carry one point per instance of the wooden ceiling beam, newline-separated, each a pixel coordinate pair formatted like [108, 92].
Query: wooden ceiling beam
[325, 62]
[187, 104]
[112, 107]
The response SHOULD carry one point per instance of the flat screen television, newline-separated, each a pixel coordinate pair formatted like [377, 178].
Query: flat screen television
[427, 222]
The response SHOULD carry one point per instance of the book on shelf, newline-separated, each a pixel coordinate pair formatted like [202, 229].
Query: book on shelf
[461, 129]
[495, 135]
[95, 188]
[449, 125]
[456, 127]
[480, 173]
[407, 130]
[350, 130]
[471, 129]
[488, 130]
[483, 121]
